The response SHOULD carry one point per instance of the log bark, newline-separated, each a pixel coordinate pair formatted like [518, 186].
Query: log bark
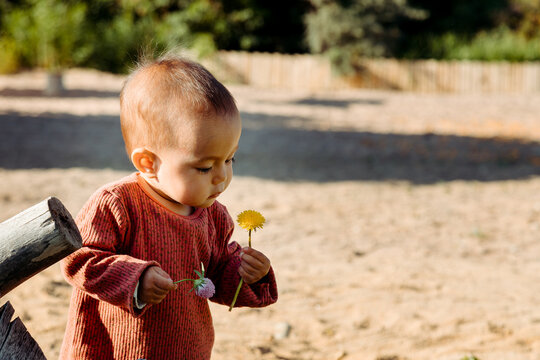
[33, 240]
[16, 343]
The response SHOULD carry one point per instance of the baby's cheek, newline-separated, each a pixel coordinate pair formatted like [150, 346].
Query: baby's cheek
[188, 194]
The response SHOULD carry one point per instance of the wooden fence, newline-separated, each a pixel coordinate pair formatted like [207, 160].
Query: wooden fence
[314, 73]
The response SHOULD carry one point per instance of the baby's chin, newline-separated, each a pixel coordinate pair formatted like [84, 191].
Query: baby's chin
[209, 202]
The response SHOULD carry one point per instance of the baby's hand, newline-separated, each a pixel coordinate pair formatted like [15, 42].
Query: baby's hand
[254, 265]
[155, 285]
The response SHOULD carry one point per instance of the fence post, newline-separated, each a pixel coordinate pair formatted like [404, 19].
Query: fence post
[33, 240]
[30, 242]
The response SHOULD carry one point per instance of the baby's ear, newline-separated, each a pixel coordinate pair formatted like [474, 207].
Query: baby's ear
[145, 161]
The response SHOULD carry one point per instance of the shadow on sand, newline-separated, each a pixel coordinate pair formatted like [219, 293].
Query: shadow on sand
[69, 93]
[270, 149]
[339, 103]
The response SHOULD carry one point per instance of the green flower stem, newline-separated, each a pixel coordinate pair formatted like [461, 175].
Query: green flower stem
[179, 281]
[236, 294]
[241, 280]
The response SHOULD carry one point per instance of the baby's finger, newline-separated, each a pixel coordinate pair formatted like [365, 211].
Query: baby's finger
[256, 255]
[252, 261]
[155, 300]
[160, 292]
[248, 268]
[164, 283]
[248, 277]
[150, 298]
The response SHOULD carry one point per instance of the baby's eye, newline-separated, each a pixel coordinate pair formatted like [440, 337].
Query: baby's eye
[230, 161]
[204, 170]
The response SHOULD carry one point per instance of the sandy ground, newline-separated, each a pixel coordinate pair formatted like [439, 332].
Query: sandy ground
[400, 225]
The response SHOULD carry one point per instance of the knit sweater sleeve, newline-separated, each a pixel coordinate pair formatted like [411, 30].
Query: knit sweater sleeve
[225, 275]
[98, 268]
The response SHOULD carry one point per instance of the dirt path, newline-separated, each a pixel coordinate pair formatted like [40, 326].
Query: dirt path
[401, 226]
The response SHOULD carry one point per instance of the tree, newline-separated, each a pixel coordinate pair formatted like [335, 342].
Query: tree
[345, 31]
[48, 34]
[121, 28]
[109, 34]
[271, 26]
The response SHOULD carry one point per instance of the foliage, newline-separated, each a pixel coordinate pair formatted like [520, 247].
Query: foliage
[110, 34]
[116, 42]
[207, 25]
[122, 29]
[500, 44]
[523, 16]
[271, 26]
[9, 60]
[465, 17]
[474, 29]
[347, 30]
[47, 33]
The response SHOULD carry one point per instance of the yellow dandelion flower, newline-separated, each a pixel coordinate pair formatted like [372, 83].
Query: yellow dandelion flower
[250, 220]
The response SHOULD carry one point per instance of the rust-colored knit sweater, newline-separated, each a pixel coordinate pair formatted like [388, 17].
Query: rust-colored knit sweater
[124, 232]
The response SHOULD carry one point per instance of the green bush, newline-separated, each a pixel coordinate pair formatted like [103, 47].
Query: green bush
[500, 44]
[47, 33]
[143, 27]
[9, 58]
[116, 44]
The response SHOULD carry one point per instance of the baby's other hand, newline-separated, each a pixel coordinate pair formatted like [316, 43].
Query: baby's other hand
[155, 285]
[254, 265]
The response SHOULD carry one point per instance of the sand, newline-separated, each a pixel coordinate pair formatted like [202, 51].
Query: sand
[400, 225]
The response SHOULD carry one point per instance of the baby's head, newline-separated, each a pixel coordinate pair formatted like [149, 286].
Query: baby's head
[181, 128]
[162, 96]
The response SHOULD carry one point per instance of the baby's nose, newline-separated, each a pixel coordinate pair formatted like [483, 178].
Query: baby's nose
[220, 176]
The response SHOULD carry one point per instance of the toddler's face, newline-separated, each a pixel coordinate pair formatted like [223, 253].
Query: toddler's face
[197, 171]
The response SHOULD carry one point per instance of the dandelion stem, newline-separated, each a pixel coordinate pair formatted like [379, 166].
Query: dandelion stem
[236, 294]
[241, 281]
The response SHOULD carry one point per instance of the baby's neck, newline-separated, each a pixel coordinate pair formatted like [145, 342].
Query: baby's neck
[164, 200]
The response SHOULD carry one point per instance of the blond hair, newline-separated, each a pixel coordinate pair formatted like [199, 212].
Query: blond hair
[160, 93]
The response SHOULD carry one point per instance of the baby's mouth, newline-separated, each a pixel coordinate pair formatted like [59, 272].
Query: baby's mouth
[215, 195]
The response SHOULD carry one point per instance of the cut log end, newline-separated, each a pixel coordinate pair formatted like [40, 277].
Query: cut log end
[35, 239]
[65, 223]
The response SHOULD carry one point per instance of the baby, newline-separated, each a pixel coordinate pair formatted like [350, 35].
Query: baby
[181, 129]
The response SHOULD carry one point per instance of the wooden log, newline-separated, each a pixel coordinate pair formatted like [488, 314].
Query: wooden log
[16, 343]
[6, 313]
[33, 240]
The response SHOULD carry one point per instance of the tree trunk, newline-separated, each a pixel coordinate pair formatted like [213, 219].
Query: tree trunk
[33, 240]
[55, 84]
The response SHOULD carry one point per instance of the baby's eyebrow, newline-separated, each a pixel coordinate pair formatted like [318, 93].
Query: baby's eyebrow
[209, 158]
